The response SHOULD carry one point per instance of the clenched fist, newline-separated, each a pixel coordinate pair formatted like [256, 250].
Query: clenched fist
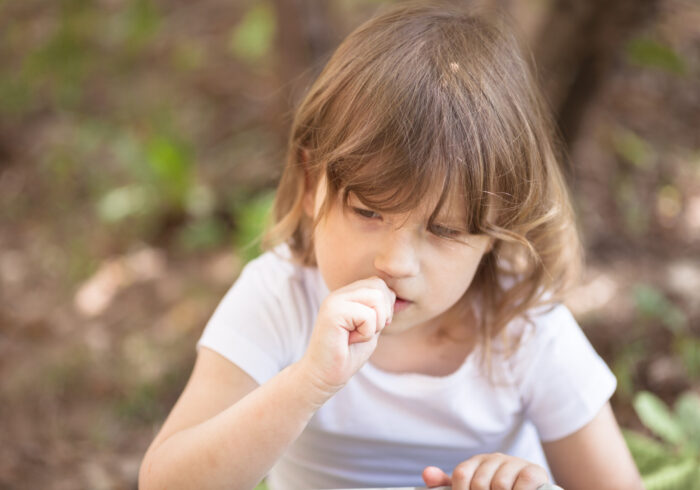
[347, 327]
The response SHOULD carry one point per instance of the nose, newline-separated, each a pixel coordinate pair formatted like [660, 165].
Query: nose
[397, 255]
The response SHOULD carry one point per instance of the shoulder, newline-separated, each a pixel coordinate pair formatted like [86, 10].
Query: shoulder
[560, 378]
[273, 269]
[275, 273]
[545, 337]
[266, 317]
[539, 325]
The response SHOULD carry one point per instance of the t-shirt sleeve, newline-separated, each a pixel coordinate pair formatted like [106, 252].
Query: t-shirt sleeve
[258, 325]
[563, 382]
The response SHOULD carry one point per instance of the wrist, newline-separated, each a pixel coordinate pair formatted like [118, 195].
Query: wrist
[313, 387]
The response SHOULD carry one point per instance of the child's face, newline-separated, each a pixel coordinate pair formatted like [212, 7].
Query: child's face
[430, 271]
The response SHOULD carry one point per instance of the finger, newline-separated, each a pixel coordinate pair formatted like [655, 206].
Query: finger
[435, 477]
[506, 474]
[376, 282]
[373, 298]
[530, 478]
[483, 476]
[390, 295]
[358, 319]
[463, 472]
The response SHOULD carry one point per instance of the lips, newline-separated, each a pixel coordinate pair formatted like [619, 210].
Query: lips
[401, 304]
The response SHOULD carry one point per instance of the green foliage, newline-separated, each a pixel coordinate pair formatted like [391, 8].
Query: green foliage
[631, 147]
[625, 366]
[634, 211]
[649, 454]
[251, 40]
[170, 164]
[142, 21]
[650, 53]
[161, 170]
[683, 475]
[202, 234]
[675, 462]
[652, 304]
[252, 218]
[687, 410]
[656, 416]
[125, 201]
[59, 65]
[687, 348]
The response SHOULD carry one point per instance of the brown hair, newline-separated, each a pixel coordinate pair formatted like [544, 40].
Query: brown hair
[432, 96]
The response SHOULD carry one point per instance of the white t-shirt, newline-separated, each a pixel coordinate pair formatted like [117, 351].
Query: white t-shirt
[383, 428]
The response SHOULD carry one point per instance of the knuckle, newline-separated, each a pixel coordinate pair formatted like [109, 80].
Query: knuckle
[480, 483]
[501, 483]
[532, 473]
[377, 296]
[460, 473]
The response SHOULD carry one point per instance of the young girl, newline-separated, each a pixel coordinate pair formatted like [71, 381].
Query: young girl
[404, 325]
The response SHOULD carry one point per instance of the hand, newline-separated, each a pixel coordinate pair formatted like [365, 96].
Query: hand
[494, 471]
[347, 327]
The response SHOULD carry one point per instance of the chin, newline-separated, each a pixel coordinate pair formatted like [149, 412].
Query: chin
[395, 328]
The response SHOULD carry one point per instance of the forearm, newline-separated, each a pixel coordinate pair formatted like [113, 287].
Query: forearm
[237, 447]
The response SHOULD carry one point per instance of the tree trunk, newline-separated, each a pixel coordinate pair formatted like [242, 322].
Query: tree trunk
[576, 49]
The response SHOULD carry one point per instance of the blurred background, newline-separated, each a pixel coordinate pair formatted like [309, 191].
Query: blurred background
[140, 144]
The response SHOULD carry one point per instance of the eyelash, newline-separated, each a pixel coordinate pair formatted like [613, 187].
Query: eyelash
[437, 230]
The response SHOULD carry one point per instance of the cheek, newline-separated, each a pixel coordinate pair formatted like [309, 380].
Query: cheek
[457, 273]
[334, 255]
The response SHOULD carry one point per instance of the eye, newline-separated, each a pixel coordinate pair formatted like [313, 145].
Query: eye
[445, 232]
[366, 213]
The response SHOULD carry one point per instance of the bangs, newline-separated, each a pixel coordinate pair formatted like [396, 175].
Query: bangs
[397, 184]
[422, 153]
[435, 129]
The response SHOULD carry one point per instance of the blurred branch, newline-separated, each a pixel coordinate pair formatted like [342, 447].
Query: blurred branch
[576, 49]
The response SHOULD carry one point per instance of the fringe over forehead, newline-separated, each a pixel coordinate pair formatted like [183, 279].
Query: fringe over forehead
[424, 98]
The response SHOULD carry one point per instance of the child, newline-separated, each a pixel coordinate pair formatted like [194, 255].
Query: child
[404, 326]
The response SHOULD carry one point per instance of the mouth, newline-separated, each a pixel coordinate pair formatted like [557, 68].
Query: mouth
[401, 304]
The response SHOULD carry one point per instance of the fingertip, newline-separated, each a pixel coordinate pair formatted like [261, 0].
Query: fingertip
[435, 477]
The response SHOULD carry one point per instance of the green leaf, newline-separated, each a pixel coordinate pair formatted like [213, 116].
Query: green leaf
[202, 234]
[688, 349]
[122, 202]
[687, 409]
[650, 53]
[649, 454]
[677, 476]
[142, 20]
[171, 166]
[633, 148]
[625, 366]
[656, 416]
[652, 303]
[252, 38]
[252, 218]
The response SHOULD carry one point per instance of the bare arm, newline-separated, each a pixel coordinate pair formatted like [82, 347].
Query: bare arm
[226, 431]
[595, 456]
